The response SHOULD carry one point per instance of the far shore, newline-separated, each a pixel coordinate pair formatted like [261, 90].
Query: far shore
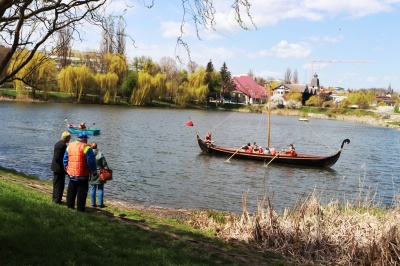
[391, 122]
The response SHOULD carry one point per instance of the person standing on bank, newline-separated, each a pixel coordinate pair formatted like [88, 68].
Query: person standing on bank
[79, 163]
[58, 168]
[95, 183]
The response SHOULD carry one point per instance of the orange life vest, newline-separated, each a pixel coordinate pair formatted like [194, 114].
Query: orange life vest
[77, 164]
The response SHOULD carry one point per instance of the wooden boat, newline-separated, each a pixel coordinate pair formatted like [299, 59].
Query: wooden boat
[88, 131]
[281, 157]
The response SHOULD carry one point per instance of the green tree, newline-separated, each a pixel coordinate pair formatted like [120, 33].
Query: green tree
[294, 95]
[209, 81]
[140, 62]
[315, 100]
[129, 84]
[226, 84]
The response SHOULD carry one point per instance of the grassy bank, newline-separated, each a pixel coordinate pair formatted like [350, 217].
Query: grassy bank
[35, 231]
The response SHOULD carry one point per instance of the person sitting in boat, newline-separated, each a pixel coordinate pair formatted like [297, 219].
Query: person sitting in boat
[245, 147]
[255, 147]
[82, 125]
[207, 139]
[291, 151]
[249, 148]
[260, 150]
[272, 151]
[266, 151]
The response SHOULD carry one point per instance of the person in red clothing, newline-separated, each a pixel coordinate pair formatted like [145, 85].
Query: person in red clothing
[291, 151]
[249, 148]
[79, 163]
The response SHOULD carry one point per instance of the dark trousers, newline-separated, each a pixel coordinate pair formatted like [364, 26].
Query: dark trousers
[58, 187]
[77, 190]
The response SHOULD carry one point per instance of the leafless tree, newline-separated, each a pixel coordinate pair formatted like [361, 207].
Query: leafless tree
[121, 37]
[169, 67]
[192, 66]
[64, 46]
[295, 77]
[288, 76]
[33, 24]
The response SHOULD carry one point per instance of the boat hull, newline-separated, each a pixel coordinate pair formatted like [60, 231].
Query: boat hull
[281, 158]
[88, 131]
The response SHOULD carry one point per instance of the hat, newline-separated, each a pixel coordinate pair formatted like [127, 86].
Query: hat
[82, 135]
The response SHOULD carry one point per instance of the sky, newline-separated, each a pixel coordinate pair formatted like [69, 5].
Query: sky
[351, 44]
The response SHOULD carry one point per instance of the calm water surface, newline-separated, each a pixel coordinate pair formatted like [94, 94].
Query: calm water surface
[157, 161]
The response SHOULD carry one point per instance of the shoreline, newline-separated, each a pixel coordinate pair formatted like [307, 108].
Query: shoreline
[375, 121]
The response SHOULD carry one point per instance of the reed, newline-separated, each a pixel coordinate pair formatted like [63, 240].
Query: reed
[350, 233]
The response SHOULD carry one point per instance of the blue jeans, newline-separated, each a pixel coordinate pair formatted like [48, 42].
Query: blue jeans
[100, 194]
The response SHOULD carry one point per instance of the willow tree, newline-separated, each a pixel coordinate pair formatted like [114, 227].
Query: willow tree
[116, 63]
[193, 89]
[142, 93]
[107, 83]
[40, 73]
[76, 80]
[159, 83]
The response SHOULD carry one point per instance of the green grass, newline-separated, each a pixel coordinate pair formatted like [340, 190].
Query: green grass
[35, 231]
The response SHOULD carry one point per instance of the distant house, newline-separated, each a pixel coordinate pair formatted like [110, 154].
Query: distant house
[307, 90]
[387, 98]
[283, 89]
[248, 91]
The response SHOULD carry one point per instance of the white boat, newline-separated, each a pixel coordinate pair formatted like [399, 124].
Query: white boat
[304, 119]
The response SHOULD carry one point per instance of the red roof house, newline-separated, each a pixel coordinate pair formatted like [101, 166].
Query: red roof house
[249, 87]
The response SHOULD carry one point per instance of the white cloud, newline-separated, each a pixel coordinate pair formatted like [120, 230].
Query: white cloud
[173, 29]
[286, 50]
[372, 79]
[268, 13]
[350, 8]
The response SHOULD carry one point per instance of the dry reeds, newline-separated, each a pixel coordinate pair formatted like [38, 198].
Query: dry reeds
[347, 234]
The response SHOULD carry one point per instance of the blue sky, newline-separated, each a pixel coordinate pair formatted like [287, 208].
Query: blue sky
[358, 39]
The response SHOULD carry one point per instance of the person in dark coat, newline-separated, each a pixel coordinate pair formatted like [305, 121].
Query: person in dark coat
[58, 168]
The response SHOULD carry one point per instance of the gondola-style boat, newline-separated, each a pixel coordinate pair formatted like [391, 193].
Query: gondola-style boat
[207, 146]
[280, 157]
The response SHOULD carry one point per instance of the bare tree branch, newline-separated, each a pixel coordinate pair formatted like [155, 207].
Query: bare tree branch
[31, 24]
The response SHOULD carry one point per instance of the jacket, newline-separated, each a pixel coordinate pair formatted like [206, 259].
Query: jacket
[101, 163]
[57, 163]
[79, 160]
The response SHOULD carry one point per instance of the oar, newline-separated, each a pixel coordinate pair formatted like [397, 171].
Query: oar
[265, 165]
[227, 161]
[91, 125]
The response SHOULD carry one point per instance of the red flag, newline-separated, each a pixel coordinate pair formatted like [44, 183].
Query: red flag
[189, 123]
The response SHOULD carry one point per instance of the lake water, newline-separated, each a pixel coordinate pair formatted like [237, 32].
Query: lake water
[157, 161]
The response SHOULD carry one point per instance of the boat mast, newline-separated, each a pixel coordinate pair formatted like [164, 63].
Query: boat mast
[269, 113]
